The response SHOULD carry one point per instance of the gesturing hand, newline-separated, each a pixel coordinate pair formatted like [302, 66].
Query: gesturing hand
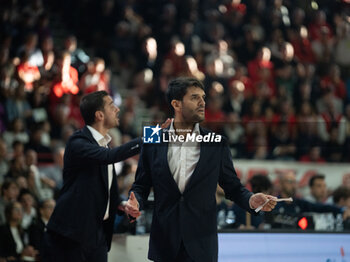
[132, 207]
[259, 199]
[167, 123]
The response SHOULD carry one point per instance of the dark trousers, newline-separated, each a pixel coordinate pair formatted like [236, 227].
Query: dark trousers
[182, 255]
[57, 248]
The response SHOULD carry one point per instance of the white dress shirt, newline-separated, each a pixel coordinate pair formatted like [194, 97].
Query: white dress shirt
[103, 141]
[17, 238]
[183, 158]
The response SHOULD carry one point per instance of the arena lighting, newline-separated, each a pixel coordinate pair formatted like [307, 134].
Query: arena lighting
[302, 223]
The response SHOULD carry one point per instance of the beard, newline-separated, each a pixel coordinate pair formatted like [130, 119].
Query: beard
[193, 116]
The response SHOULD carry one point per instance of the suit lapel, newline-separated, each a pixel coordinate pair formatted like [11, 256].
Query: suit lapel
[103, 168]
[164, 160]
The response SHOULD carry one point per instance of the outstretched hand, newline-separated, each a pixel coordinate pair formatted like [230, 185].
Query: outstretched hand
[132, 207]
[259, 199]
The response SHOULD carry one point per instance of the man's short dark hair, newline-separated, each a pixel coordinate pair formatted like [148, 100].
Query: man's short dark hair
[90, 104]
[24, 192]
[341, 192]
[177, 88]
[314, 178]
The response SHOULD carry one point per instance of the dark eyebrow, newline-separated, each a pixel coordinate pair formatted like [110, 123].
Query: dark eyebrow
[195, 95]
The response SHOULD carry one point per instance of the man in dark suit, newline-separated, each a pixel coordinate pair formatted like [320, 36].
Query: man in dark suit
[184, 178]
[81, 226]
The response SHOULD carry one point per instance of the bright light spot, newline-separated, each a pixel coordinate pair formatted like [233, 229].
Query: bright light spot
[303, 32]
[219, 67]
[314, 5]
[266, 56]
[218, 87]
[303, 223]
[192, 64]
[179, 49]
[239, 85]
[148, 76]
[222, 9]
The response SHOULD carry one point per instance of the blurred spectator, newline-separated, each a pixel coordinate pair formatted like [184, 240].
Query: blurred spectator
[9, 194]
[318, 189]
[302, 45]
[36, 144]
[282, 142]
[334, 148]
[306, 129]
[334, 83]
[261, 69]
[55, 171]
[78, 56]
[42, 26]
[329, 120]
[4, 165]
[255, 131]
[322, 47]
[285, 114]
[38, 227]
[148, 54]
[247, 49]
[17, 149]
[17, 105]
[285, 69]
[234, 132]
[17, 167]
[13, 246]
[35, 56]
[35, 8]
[241, 75]
[222, 53]
[29, 208]
[235, 99]
[27, 73]
[94, 78]
[47, 48]
[16, 132]
[319, 26]
[341, 198]
[342, 49]
[66, 80]
[191, 68]
[314, 155]
[39, 184]
[214, 116]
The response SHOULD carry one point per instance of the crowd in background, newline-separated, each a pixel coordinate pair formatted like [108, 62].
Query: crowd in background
[276, 73]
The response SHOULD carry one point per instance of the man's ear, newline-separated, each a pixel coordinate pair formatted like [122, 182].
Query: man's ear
[176, 104]
[99, 115]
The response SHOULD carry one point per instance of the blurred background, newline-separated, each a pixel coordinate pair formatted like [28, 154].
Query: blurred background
[277, 79]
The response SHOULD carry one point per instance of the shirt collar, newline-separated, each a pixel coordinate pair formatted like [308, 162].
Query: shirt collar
[195, 129]
[100, 139]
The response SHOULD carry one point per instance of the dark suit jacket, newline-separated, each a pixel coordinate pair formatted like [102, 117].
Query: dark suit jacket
[7, 243]
[82, 203]
[35, 233]
[189, 217]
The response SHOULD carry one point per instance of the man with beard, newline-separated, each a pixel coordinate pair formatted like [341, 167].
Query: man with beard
[184, 176]
[81, 226]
